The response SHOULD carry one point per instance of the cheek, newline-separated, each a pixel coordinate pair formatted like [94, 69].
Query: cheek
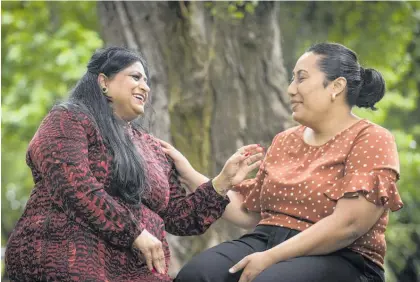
[314, 98]
[125, 88]
[121, 92]
[320, 102]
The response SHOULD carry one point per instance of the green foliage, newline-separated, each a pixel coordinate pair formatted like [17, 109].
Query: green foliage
[45, 47]
[232, 10]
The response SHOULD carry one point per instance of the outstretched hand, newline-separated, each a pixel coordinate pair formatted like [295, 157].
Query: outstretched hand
[238, 166]
[235, 170]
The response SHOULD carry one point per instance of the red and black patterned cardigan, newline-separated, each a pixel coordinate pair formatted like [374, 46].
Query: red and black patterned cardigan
[72, 229]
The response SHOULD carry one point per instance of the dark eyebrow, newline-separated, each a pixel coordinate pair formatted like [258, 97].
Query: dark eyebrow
[301, 71]
[140, 74]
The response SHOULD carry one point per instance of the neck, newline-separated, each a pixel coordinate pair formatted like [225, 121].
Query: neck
[332, 124]
[122, 121]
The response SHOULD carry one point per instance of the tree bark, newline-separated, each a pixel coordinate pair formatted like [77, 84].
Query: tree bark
[217, 83]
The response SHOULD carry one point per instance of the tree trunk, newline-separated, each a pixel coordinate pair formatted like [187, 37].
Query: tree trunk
[217, 83]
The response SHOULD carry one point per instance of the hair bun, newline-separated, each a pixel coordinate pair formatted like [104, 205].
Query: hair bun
[372, 90]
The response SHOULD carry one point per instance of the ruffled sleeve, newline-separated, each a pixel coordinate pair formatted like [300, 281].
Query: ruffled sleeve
[371, 170]
[377, 187]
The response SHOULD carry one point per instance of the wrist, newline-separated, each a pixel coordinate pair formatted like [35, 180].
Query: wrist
[185, 170]
[193, 179]
[274, 255]
[221, 185]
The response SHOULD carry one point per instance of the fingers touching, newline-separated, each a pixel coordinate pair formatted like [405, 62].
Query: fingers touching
[152, 250]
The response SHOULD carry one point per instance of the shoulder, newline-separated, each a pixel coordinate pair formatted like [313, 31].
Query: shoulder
[73, 112]
[375, 145]
[152, 139]
[67, 119]
[154, 147]
[369, 131]
[286, 133]
[149, 139]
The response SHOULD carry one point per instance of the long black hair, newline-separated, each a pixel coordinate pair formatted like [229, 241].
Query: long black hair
[129, 170]
[365, 87]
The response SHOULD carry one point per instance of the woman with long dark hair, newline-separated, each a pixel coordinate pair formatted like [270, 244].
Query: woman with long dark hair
[323, 193]
[105, 192]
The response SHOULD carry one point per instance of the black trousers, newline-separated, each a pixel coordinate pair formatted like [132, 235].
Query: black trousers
[213, 264]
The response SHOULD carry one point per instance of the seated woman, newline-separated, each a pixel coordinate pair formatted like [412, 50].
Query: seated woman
[105, 193]
[322, 195]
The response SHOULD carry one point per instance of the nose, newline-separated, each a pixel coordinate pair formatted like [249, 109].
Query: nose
[144, 86]
[292, 89]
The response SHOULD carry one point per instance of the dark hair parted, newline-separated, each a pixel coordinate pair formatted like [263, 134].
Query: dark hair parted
[129, 178]
[365, 87]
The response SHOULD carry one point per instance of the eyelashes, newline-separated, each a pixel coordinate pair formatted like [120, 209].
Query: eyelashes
[135, 77]
[138, 77]
[299, 79]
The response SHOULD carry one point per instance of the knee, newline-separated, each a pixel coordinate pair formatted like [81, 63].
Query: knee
[192, 271]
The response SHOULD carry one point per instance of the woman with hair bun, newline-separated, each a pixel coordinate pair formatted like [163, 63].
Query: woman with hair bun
[324, 190]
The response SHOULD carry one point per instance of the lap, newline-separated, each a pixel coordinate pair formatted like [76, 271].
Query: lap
[214, 263]
[311, 269]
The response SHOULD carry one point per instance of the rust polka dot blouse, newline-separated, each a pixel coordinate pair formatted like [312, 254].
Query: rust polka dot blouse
[299, 184]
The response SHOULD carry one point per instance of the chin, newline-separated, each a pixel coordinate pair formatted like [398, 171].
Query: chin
[298, 118]
[134, 115]
[139, 111]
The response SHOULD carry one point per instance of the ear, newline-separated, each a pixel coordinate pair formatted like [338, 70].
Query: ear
[103, 80]
[338, 86]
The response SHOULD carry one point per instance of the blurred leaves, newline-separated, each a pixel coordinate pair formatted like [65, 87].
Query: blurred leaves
[232, 10]
[45, 47]
[44, 51]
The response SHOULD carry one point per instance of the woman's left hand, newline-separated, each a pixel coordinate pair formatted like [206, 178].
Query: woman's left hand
[182, 165]
[253, 265]
[238, 166]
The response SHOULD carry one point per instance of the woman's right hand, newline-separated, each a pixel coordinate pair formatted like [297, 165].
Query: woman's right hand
[152, 250]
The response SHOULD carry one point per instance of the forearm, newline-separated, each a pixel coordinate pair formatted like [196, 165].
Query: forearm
[326, 236]
[235, 214]
[193, 180]
[192, 214]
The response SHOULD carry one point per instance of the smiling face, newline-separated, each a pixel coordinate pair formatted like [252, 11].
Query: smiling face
[128, 91]
[310, 99]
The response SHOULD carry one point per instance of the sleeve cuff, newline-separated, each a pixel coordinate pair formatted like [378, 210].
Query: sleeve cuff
[211, 194]
[377, 189]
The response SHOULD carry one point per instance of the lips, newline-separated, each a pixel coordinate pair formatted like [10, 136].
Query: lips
[294, 104]
[140, 97]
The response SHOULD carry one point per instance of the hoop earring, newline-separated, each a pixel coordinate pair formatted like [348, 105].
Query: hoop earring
[104, 90]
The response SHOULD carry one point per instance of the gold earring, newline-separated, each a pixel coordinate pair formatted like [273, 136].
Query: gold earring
[104, 90]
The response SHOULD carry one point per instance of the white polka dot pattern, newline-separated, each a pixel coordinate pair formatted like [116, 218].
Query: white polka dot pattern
[299, 184]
